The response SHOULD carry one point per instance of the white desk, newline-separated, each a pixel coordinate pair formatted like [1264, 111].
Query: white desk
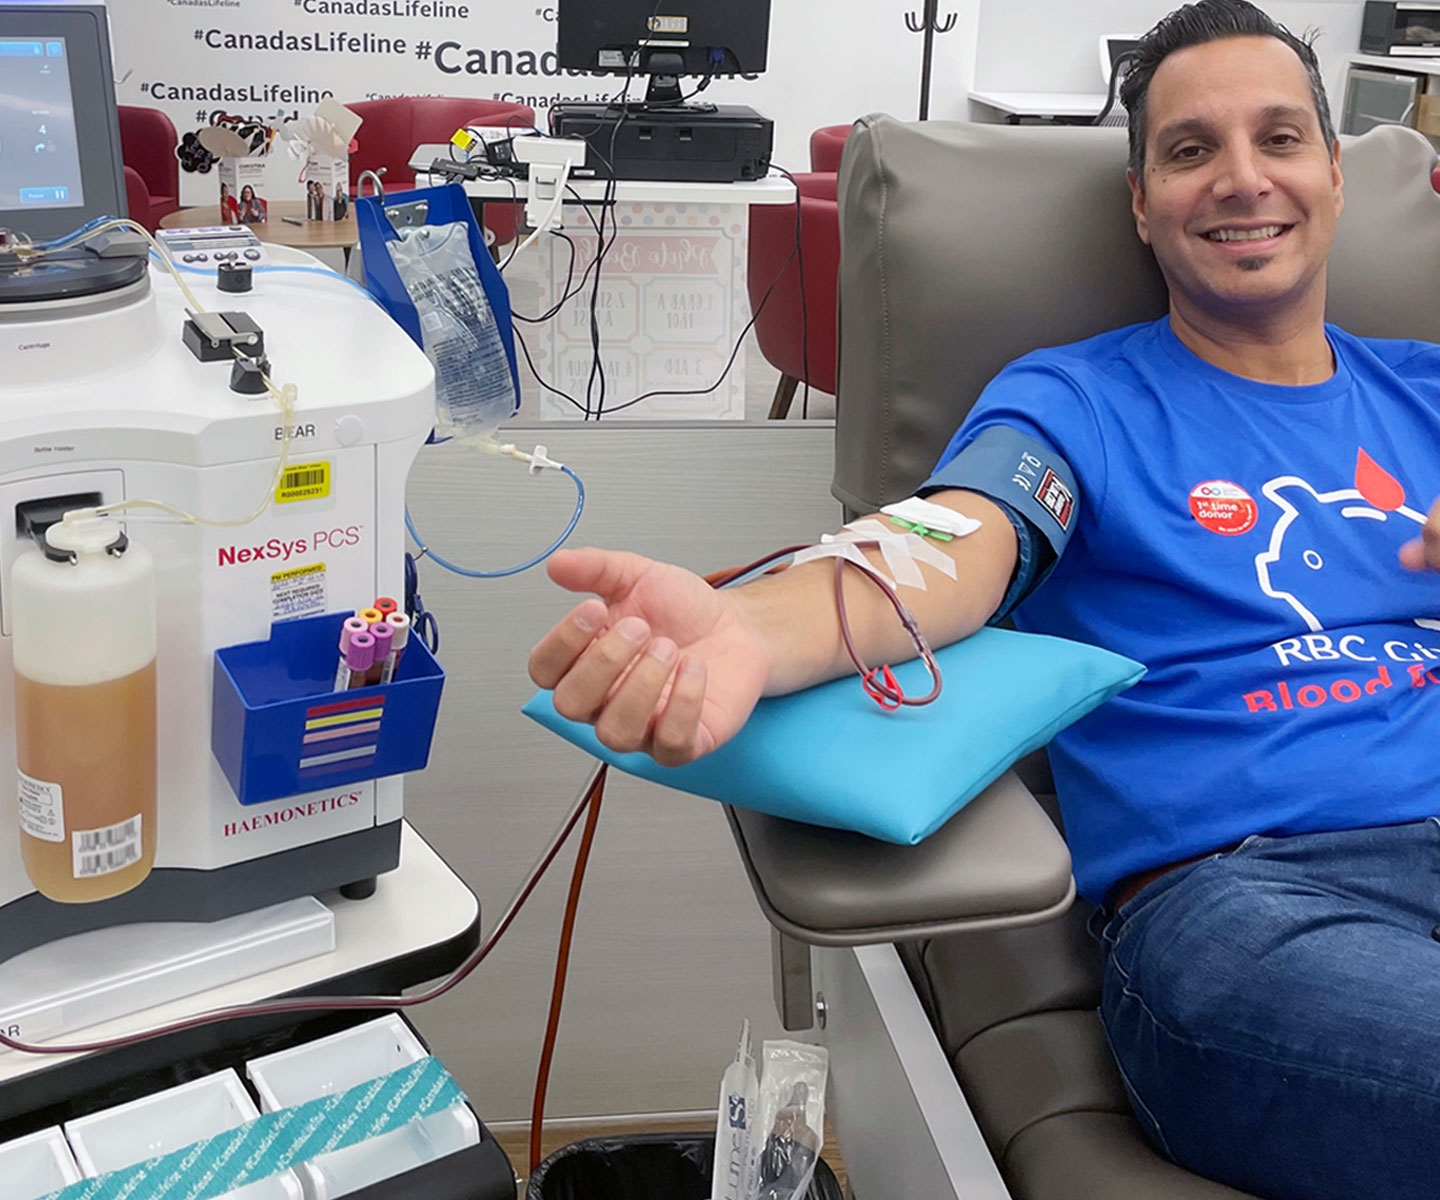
[421, 912]
[673, 294]
[774, 189]
[1398, 62]
[1053, 105]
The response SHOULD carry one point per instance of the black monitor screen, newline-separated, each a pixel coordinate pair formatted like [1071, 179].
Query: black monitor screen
[39, 157]
[59, 130]
[707, 37]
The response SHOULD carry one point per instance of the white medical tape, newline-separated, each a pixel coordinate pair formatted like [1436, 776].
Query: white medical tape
[902, 552]
[933, 516]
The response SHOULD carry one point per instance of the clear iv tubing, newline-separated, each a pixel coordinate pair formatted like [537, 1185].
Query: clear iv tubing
[285, 397]
[286, 270]
[426, 552]
[352, 1003]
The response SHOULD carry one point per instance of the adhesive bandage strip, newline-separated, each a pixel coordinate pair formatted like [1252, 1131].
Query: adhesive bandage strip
[903, 552]
[931, 517]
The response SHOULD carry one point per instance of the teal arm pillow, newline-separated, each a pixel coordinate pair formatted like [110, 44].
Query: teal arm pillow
[830, 756]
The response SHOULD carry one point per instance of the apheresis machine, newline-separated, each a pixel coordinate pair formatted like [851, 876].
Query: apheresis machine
[181, 468]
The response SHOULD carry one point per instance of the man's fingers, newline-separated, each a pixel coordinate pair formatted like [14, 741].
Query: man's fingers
[676, 739]
[556, 652]
[624, 722]
[1423, 553]
[580, 693]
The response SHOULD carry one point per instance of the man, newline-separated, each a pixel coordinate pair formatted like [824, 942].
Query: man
[1257, 818]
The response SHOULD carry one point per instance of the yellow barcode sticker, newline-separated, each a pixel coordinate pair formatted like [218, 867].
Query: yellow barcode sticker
[304, 481]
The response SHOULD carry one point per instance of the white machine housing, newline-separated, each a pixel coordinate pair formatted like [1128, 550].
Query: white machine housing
[103, 397]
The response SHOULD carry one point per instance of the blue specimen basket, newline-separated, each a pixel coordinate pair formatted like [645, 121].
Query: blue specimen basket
[445, 205]
[279, 729]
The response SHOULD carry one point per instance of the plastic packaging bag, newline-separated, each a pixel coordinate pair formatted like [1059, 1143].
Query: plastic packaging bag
[734, 1127]
[790, 1131]
[474, 389]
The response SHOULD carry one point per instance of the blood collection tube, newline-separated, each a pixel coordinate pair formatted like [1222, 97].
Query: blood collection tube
[352, 626]
[371, 616]
[386, 605]
[382, 634]
[399, 635]
[358, 657]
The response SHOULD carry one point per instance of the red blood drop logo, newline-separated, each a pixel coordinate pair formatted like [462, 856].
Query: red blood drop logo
[1376, 484]
[1223, 507]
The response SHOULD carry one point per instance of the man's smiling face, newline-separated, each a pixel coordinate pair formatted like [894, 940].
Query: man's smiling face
[1240, 191]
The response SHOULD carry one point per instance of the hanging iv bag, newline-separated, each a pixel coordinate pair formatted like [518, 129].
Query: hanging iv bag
[474, 389]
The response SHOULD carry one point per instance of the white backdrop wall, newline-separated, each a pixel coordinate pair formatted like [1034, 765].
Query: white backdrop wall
[830, 61]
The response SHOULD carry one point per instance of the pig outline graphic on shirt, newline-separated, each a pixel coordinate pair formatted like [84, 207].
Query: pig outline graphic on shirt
[1376, 495]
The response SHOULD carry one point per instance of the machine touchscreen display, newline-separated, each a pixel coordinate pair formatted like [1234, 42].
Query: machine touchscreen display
[39, 153]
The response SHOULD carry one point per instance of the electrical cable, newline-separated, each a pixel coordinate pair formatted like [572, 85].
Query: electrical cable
[545, 220]
[306, 1004]
[565, 293]
[469, 573]
[607, 207]
[529, 362]
[796, 252]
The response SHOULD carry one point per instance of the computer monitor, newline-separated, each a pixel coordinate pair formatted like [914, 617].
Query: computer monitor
[1114, 47]
[664, 39]
[60, 161]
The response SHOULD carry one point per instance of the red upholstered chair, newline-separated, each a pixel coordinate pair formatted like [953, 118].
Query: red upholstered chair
[826, 146]
[781, 320]
[137, 198]
[147, 146]
[395, 126]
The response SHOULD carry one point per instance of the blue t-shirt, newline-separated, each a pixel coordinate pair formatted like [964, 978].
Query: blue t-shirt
[1240, 539]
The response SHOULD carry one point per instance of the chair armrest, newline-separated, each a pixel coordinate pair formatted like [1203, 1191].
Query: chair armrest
[999, 862]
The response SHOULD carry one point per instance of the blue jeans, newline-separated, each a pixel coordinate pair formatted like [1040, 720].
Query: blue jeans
[1275, 1012]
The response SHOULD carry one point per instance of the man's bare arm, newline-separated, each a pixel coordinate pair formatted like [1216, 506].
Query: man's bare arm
[794, 614]
[663, 663]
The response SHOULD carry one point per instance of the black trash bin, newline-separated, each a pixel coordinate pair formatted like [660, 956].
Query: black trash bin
[646, 1166]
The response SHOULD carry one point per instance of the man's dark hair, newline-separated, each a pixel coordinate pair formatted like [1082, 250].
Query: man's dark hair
[1194, 25]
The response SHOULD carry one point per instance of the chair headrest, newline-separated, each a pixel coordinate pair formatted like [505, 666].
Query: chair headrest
[964, 246]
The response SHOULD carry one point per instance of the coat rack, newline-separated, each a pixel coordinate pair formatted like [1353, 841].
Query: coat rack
[929, 24]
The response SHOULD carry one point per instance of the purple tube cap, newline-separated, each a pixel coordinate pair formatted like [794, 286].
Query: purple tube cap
[360, 654]
[352, 626]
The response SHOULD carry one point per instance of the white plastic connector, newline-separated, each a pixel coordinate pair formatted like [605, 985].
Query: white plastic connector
[546, 151]
[550, 161]
[539, 460]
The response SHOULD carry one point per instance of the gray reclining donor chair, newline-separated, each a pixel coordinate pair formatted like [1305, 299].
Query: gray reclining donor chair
[954, 981]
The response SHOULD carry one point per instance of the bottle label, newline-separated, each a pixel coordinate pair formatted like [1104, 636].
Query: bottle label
[42, 809]
[104, 851]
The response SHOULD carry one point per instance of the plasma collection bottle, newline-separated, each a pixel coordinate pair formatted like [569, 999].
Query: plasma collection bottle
[83, 619]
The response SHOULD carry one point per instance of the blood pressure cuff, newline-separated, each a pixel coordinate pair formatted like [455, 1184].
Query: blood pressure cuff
[1035, 488]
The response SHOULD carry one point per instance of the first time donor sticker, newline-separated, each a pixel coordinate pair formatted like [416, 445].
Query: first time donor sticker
[1223, 507]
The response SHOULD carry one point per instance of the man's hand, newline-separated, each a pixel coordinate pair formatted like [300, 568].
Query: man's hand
[1423, 554]
[661, 662]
